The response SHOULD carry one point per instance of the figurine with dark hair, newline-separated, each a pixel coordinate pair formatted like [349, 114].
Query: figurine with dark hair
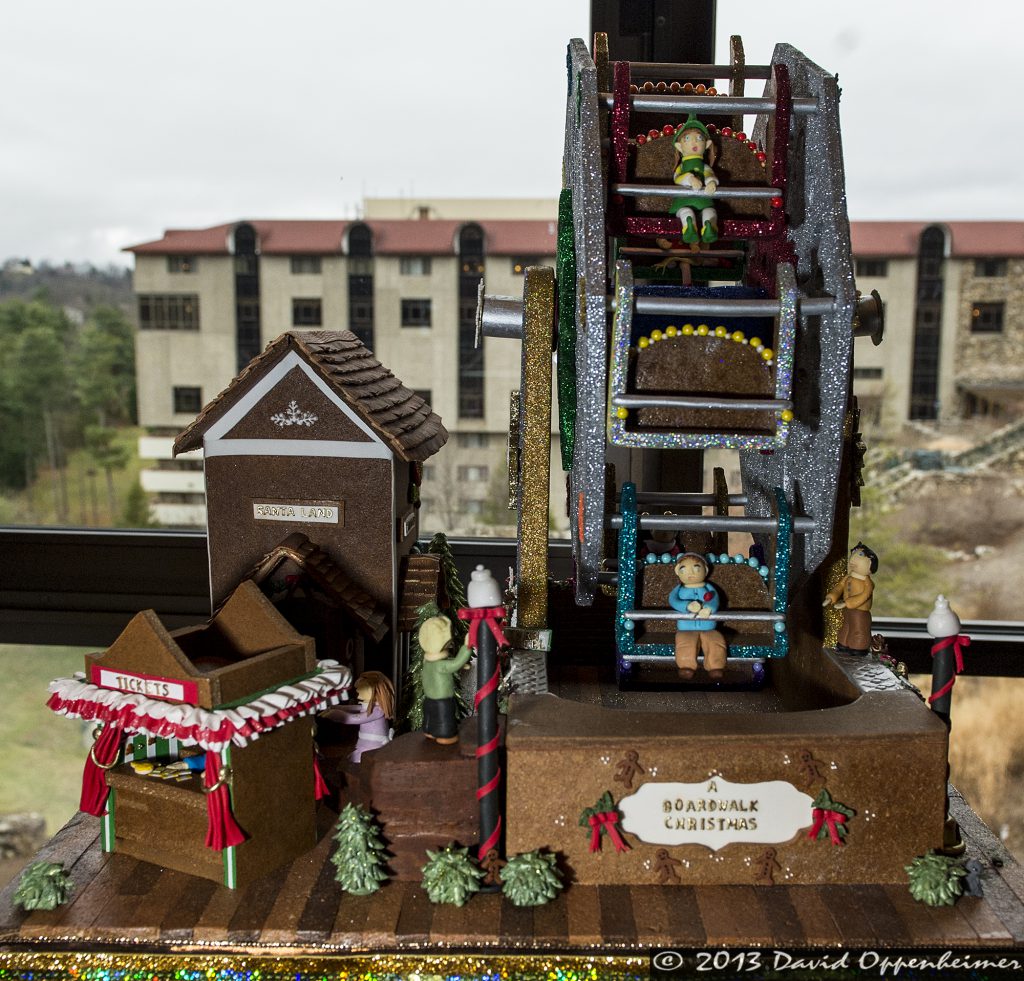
[852, 595]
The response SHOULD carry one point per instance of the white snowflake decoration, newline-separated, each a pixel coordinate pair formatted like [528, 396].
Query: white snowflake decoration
[294, 416]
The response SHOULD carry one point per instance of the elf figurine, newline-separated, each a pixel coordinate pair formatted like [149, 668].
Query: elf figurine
[376, 706]
[697, 598]
[853, 596]
[692, 142]
[438, 675]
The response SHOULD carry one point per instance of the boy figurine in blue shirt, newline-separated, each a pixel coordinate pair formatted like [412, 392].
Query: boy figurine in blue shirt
[697, 598]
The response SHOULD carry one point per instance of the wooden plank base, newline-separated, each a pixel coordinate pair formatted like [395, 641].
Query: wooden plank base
[120, 902]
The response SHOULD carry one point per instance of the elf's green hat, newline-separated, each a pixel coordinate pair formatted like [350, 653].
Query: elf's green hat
[692, 122]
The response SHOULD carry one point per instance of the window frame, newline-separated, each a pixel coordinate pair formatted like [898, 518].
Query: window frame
[182, 264]
[423, 318]
[193, 408]
[296, 262]
[162, 313]
[980, 325]
[300, 318]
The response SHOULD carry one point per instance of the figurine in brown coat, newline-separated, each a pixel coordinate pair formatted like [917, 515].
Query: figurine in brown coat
[853, 596]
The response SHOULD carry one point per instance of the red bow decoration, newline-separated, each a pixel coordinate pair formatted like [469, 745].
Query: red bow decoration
[491, 615]
[708, 597]
[958, 644]
[608, 821]
[102, 756]
[222, 831]
[831, 819]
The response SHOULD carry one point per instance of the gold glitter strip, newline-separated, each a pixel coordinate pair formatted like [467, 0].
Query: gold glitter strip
[535, 454]
[833, 618]
[379, 967]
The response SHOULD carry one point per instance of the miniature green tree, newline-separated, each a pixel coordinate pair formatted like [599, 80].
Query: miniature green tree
[531, 879]
[43, 885]
[935, 879]
[359, 858]
[450, 875]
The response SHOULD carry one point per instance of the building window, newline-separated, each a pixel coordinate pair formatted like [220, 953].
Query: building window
[428, 472]
[169, 311]
[520, 263]
[415, 313]
[424, 393]
[307, 311]
[989, 268]
[471, 357]
[473, 473]
[924, 371]
[872, 267]
[181, 263]
[305, 265]
[471, 441]
[473, 507]
[867, 373]
[414, 265]
[987, 318]
[187, 399]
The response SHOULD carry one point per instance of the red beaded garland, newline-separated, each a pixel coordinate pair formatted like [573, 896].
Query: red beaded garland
[653, 134]
[668, 129]
[726, 131]
[641, 140]
[741, 136]
[776, 202]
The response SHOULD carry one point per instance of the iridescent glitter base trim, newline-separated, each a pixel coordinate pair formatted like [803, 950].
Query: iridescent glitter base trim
[376, 967]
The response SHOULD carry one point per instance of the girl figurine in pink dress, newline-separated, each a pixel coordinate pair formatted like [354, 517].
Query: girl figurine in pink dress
[376, 707]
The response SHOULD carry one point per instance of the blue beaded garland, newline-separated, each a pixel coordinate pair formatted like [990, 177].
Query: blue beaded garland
[739, 559]
[763, 572]
[724, 557]
[753, 561]
[780, 627]
[666, 558]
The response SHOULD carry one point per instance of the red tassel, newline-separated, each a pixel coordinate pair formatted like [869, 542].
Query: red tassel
[94, 779]
[221, 829]
[320, 788]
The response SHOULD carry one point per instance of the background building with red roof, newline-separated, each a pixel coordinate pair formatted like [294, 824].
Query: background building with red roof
[404, 279]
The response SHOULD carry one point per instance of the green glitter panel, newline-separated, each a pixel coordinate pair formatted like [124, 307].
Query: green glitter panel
[565, 270]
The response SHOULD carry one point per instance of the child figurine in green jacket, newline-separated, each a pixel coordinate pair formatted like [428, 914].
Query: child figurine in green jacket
[438, 675]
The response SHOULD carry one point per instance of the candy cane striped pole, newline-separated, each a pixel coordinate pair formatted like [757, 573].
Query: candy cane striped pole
[484, 597]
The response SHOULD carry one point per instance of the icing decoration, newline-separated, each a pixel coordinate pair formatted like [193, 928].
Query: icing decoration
[720, 332]
[294, 416]
[212, 729]
[830, 818]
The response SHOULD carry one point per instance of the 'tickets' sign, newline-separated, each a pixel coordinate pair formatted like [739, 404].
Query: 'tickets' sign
[170, 689]
[715, 812]
[303, 512]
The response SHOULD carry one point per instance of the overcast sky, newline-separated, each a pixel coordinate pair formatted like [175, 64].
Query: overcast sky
[120, 118]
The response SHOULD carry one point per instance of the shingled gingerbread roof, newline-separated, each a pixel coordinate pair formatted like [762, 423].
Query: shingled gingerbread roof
[317, 564]
[395, 413]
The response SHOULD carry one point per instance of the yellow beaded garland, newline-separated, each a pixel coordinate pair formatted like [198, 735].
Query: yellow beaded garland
[738, 336]
[621, 412]
[643, 342]
[671, 331]
[703, 330]
[786, 415]
[767, 354]
[755, 342]
[687, 330]
[656, 335]
[720, 331]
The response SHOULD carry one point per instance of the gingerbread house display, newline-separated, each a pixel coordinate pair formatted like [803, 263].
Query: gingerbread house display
[316, 436]
[202, 761]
